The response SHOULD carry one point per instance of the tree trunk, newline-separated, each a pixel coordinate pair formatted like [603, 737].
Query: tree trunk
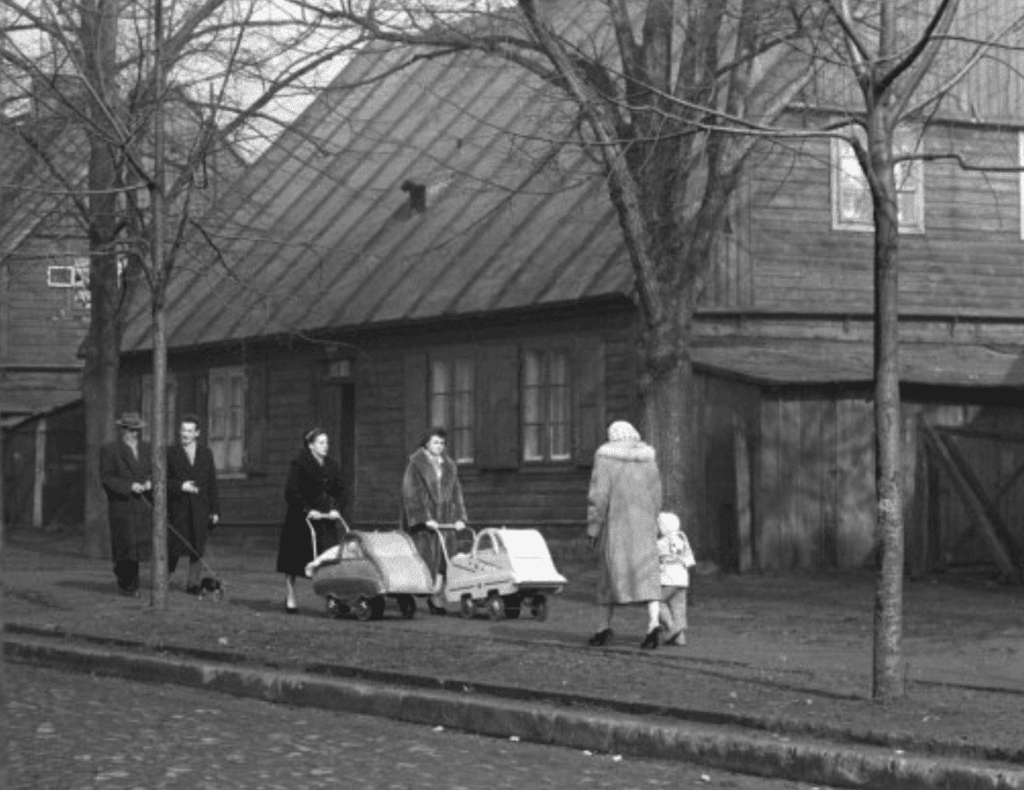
[159, 597]
[666, 391]
[158, 280]
[103, 343]
[99, 396]
[887, 666]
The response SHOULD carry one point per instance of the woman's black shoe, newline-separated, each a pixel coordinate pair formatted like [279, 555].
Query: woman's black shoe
[291, 609]
[600, 638]
[193, 589]
[652, 640]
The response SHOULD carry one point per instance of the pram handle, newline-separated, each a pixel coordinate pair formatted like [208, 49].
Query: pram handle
[310, 518]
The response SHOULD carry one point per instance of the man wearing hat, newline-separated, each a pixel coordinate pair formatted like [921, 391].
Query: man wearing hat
[126, 473]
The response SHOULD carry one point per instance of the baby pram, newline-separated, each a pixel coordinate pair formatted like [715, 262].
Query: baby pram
[363, 569]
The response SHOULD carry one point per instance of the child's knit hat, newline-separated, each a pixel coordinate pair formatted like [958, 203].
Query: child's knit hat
[668, 523]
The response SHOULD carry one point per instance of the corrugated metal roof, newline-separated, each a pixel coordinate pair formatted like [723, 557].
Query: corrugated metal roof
[318, 234]
[32, 193]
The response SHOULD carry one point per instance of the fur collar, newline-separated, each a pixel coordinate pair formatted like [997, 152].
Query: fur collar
[626, 451]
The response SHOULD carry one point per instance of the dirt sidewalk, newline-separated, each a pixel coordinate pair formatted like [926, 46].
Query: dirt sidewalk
[790, 654]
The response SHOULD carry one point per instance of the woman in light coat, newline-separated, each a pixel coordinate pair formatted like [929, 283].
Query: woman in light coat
[622, 523]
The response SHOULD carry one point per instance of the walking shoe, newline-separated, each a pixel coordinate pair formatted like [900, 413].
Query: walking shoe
[602, 637]
[652, 640]
[193, 589]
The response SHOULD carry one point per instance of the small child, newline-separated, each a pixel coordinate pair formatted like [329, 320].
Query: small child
[676, 559]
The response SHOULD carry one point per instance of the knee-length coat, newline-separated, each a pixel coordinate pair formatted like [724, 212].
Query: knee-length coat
[310, 486]
[131, 515]
[189, 514]
[622, 514]
[426, 496]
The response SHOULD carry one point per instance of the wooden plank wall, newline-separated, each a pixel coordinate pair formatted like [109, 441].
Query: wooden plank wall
[547, 495]
[814, 503]
[968, 258]
[722, 406]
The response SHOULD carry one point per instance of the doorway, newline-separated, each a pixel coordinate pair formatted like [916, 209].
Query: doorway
[335, 412]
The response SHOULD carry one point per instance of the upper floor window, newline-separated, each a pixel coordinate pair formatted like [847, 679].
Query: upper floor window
[226, 411]
[170, 396]
[452, 404]
[546, 416]
[852, 207]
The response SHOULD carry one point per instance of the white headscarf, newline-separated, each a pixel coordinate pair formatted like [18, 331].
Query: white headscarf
[668, 523]
[622, 431]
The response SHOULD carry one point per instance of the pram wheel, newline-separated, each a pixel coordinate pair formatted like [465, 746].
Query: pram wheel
[539, 607]
[407, 606]
[336, 608]
[495, 606]
[512, 606]
[370, 608]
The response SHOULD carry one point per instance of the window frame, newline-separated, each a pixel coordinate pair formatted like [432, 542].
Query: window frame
[230, 414]
[546, 353]
[461, 434]
[906, 139]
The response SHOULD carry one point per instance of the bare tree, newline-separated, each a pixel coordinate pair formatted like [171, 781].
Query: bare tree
[901, 62]
[658, 89]
[217, 71]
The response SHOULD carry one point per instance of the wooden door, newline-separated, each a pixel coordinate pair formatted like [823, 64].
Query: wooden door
[336, 413]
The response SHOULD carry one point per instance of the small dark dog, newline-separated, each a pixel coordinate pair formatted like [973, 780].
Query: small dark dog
[209, 585]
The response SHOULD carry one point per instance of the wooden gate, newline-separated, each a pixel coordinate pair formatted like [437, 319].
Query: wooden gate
[981, 469]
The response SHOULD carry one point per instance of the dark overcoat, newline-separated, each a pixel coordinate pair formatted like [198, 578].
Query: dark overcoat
[310, 486]
[131, 515]
[189, 514]
[622, 514]
[426, 497]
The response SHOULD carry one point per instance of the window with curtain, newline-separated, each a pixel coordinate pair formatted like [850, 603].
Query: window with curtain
[453, 405]
[546, 410]
[226, 415]
[852, 208]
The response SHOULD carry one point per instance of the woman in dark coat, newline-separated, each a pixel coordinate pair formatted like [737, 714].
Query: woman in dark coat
[431, 495]
[313, 490]
[126, 474]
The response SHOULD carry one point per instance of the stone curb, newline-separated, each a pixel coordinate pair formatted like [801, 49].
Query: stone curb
[732, 749]
[778, 727]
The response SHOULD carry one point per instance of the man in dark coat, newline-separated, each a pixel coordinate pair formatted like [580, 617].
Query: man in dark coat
[126, 474]
[193, 507]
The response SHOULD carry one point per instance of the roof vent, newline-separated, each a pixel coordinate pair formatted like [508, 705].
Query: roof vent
[417, 195]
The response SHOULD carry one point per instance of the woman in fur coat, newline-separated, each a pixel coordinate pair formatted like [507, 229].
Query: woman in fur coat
[622, 523]
[431, 495]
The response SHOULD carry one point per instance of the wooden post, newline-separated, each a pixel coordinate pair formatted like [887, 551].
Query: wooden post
[39, 479]
[743, 514]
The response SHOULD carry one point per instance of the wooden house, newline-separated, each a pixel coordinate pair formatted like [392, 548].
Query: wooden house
[45, 304]
[44, 259]
[414, 252]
